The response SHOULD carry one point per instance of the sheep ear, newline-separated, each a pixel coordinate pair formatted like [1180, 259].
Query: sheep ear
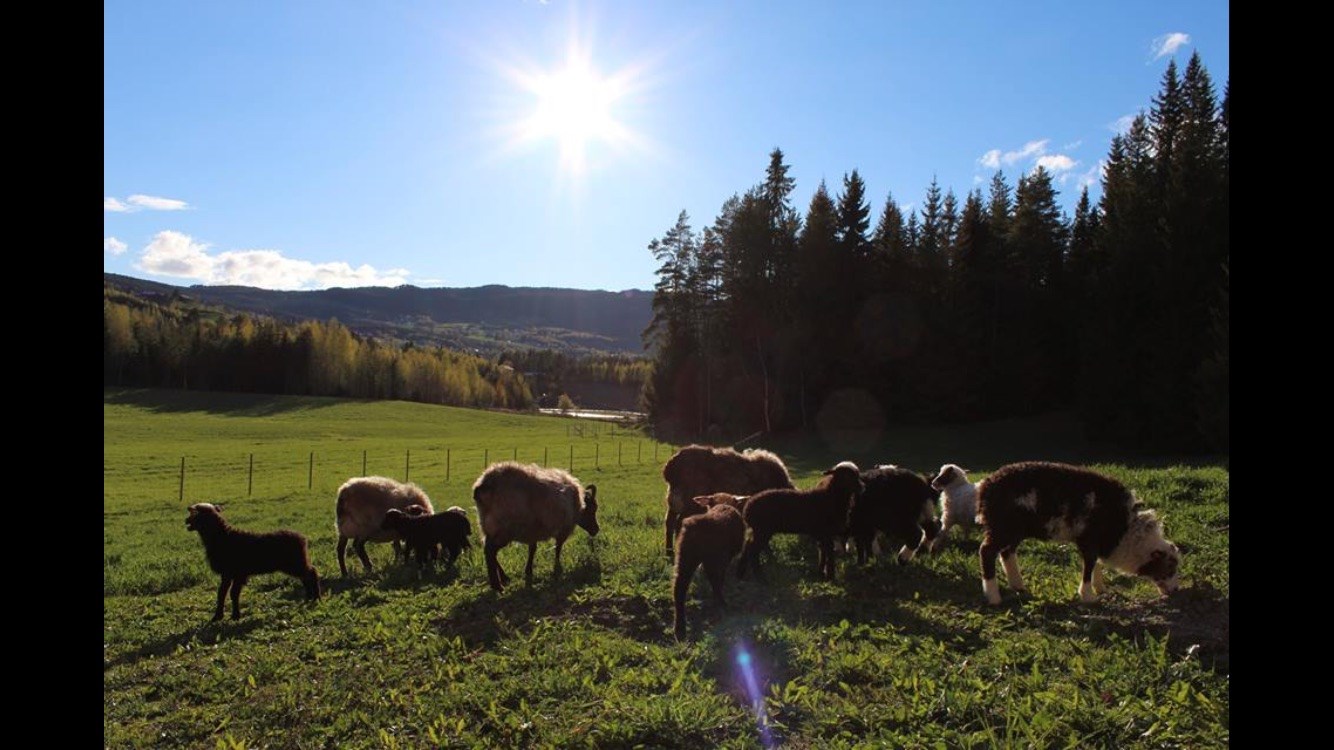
[591, 492]
[217, 507]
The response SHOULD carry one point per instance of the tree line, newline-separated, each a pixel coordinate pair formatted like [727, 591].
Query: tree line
[177, 344]
[996, 306]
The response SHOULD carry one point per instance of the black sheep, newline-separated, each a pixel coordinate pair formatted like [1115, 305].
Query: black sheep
[821, 512]
[448, 529]
[236, 555]
[710, 538]
[899, 503]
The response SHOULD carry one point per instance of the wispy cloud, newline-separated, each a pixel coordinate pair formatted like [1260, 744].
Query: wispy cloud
[177, 254]
[994, 158]
[1093, 176]
[1121, 125]
[140, 202]
[1056, 163]
[113, 246]
[1072, 146]
[1168, 44]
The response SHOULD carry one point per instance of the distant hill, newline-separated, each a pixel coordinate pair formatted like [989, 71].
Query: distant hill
[484, 318]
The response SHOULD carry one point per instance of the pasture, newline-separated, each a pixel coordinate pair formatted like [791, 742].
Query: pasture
[884, 655]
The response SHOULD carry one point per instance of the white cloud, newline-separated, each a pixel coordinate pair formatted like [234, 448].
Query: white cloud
[977, 179]
[1122, 124]
[1056, 163]
[1093, 176]
[140, 202]
[177, 254]
[1168, 44]
[113, 246]
[994, 158]
[157, 204]
[1072, 146]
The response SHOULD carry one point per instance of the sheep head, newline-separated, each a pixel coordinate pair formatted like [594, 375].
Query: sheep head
[949, 474]
[204, 516]
[588, 517]
[394, 518]
[845, 477]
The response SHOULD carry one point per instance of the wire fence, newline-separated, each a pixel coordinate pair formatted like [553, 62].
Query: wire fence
[264, 473]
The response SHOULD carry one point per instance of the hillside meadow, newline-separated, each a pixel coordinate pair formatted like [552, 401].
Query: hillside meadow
[884, 655]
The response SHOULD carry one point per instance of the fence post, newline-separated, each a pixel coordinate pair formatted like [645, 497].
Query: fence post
[618, 452]
[516, 454]
[597, 464]
[486, 458]
[250, 477]
[407, 466]
[544, 457]
[639, 452]
[310, 477]
[655, 451]
[571, 460]
[363, 462]
[447, 457]
[182, 478]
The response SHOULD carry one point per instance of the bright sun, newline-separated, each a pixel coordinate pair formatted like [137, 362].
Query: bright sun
[574, 107]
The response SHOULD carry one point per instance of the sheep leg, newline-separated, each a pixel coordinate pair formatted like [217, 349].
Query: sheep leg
[311, 579]
[222, 597]
[827, 557]
[401, 550]
[672, 521]
[750, 556]
[928, 536]
[236, 596]
[1099, 585]
[555, 569]
[716, 570]
[945, 527]
[528, 569]
[1086, 592]
[863, 547]
[359, 546]
[494, 574]
[453, 554]
[342, 550]
[685, 570]
[987, 552]
[1011, 564]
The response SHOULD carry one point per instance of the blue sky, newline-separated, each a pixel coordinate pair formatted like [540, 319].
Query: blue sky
[301, 145]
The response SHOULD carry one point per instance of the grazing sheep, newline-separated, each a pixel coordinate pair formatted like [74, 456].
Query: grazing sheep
[236, 555]
[362, 503]
[1042, 500]
[821, 512]
[709, 538]
[702, 503]
[898, 503]
[958, 501]
[428, 534]
[528, 503]
[700, 470]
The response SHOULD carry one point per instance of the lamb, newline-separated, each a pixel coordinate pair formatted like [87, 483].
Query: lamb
[899, 503]
[821, 512]
[236, 555]
[958, 501]
[709, 538]
[528, 503]
[699, 470]
[1044, 500]
[359, 513]
[428, 534]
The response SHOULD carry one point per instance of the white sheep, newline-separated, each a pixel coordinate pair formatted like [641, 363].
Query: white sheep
[958, 501]
[528, 503]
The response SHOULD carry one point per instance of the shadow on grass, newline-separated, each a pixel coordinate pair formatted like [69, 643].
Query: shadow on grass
[208, 633]
[161, 401]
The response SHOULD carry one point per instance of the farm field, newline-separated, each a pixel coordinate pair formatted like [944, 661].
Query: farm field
[884, 655]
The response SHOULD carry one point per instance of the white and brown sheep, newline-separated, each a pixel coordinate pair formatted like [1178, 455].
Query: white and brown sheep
[958, 501]
[359, 513]
[821, 512]
[1098, 514]
[711, 535]
[236, 555]
[701, 470]
[897, 503]
[527, 503]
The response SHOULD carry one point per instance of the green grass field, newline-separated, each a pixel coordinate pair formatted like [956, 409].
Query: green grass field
[883, 656]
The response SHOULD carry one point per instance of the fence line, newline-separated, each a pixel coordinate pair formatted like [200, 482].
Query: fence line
[278, 472]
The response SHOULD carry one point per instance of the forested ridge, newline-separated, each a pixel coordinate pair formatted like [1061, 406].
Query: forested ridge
[994, 305]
